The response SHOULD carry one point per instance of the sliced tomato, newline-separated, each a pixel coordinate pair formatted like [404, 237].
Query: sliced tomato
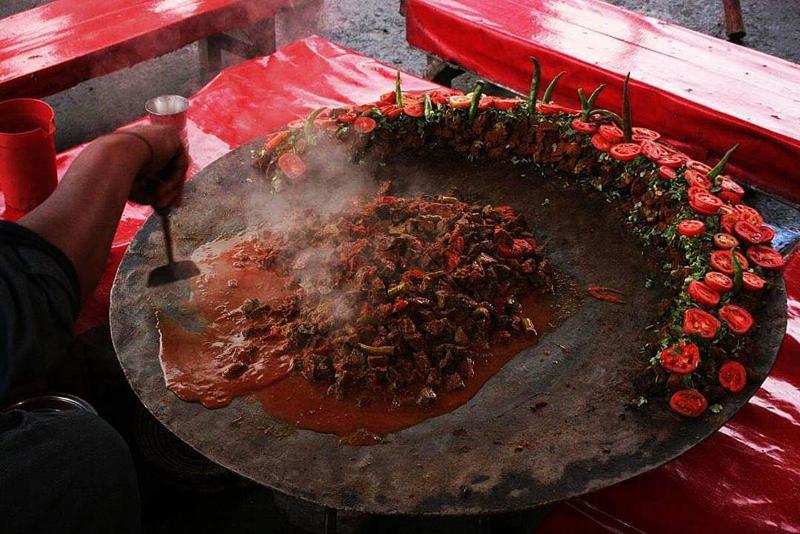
[691, 227]
[703, 294]
[438, 98]
[705, 203]
[583, 127]
[643, 134]
[601, 143]
[552, 109]
[297, 123]
[700, 322]
[738, 319]
[414, 110]
[388, 98]
[732, 376]
[694, 178]
[486, 102]
[365, 125]
[721, 283]
[673, 161]
[692, 191]
[347, 118]
[698, 166]
[506, 103]
[612, 133]
[625, 151]
[752, 282]
[753, 233]
[724, 240]
[681, 359]
[654, 151]
[746, 213]
[460, 101]
[291, 165]
[688, 403]
[275, 140]
[667, 173]
[391, 111]
[326, 123]
[721, 261]
[728, 221]
[730, 191]
[765, 257]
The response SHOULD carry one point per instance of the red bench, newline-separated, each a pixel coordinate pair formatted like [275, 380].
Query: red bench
[694, 88]
[59, 44]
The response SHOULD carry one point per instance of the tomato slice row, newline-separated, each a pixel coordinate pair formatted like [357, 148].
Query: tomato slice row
[752, 233]
[601, 143]
[765, 257]
[725, 240]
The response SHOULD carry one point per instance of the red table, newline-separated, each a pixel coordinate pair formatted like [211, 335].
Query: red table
[743, 479]
[689, 86]
[61, 43]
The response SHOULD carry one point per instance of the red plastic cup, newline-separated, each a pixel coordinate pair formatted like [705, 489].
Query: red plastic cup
[27, 153]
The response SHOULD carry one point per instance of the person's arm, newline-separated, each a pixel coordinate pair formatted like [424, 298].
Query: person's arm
[81, 216]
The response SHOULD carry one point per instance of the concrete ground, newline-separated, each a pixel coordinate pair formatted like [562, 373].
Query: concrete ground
[374, 28]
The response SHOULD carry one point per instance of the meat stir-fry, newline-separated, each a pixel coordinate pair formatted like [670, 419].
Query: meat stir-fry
[397, 298]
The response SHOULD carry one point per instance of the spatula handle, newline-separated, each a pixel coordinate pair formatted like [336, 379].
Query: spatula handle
[164, 214]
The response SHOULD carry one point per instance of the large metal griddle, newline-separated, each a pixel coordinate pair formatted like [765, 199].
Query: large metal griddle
[495, 453]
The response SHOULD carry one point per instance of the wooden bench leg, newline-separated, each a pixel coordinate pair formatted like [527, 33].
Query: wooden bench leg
[262, 37]
[441, 72]
[210, 50]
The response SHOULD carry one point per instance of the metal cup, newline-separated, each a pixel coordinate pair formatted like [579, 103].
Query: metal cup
[169, 109]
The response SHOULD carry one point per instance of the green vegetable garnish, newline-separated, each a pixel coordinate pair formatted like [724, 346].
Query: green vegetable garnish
[398, 93]
[476, 98]
[535, 81]
[428, 108]
[720, 166]
[548, 93]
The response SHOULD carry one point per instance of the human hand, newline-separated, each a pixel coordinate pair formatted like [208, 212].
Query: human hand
[159, 182]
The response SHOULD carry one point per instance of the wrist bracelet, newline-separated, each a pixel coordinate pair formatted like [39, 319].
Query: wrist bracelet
[150, 150]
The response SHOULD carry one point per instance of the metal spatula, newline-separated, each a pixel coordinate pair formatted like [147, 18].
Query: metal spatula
[173, 270]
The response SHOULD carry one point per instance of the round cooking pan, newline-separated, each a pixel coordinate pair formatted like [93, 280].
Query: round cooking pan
[554, 423]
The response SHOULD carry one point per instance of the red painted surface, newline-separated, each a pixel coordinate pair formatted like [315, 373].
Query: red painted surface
[59, 44]
[691, 87]
[743, 479]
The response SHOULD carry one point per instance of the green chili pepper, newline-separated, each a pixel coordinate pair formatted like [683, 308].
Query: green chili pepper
[398, 93]
[588, 103]
[548, 93]
[535, 81]
[627, 126]
[476, 98]
[611, 115]
[737, 271]
[428, 108]
[308, 126]
[720, 166]
[387, 350]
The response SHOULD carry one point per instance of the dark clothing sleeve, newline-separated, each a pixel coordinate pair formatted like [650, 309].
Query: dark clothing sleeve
[39, 302]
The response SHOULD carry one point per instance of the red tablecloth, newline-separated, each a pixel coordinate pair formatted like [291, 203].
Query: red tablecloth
[689, 86]
[745, 478]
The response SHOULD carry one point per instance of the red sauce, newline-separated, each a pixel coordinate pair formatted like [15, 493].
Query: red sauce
[193, 360]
